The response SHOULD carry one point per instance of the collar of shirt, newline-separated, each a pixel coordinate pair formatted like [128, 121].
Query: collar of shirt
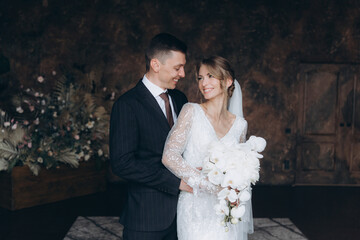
[154, 89]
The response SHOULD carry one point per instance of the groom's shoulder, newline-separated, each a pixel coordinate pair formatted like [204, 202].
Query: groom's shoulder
[128, 98]
[129, 94]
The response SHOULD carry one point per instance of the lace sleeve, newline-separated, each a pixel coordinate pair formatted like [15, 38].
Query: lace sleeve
[243, 133]
[175, 146]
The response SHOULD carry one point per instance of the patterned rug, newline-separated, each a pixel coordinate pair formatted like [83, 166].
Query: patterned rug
[98, 228]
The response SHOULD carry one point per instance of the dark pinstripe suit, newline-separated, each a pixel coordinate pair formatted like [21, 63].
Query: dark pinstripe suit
[138, 130]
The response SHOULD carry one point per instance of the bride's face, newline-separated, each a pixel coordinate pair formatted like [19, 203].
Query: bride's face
[209, 86]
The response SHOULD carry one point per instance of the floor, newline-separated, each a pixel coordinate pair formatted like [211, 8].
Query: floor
[109, 228]
[318, 212]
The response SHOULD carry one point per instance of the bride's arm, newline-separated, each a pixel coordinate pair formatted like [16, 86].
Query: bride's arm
[175, 146]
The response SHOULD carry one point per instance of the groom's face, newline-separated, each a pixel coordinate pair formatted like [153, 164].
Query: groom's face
[172, 69]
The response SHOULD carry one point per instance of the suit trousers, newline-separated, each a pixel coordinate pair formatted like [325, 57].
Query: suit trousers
[167, 234]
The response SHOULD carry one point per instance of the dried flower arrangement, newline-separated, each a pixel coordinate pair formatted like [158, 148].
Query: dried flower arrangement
[67, 124]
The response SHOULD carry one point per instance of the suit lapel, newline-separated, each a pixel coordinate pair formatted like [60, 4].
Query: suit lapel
[150, 103]
[173, 100]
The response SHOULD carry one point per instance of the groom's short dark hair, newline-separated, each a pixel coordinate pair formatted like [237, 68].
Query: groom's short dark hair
[161, 45]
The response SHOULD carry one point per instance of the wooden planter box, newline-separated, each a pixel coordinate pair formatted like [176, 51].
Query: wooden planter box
[21, 189]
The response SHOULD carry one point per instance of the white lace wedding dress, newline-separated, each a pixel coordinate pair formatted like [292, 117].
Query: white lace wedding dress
[185, 149]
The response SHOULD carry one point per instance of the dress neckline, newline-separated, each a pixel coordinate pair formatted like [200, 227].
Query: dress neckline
[212, 127]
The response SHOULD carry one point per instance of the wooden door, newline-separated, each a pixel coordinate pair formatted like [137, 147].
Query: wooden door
[328, 141]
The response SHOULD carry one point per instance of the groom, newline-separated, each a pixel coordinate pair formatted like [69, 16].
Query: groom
[140, 122]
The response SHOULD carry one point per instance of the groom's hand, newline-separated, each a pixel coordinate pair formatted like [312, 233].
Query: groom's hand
[185, 187]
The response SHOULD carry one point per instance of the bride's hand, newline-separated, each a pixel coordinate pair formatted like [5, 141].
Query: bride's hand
[185, 187]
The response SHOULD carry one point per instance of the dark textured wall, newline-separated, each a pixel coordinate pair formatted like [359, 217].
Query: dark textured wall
[103, 41]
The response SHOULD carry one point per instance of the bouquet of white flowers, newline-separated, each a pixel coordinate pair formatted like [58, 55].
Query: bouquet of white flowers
[234, 168]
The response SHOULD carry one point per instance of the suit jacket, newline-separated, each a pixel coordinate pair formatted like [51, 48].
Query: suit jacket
[138, 131]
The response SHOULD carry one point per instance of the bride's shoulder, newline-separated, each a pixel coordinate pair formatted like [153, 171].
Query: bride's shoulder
[192, 104]
[188, 107]
[242, 121]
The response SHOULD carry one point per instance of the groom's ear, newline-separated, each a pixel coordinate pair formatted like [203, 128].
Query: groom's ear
[155, 65]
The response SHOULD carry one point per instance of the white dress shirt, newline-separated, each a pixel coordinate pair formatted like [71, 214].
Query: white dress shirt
[156, 91]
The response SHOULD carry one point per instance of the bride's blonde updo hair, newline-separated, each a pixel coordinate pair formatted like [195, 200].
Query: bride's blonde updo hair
[221, 69]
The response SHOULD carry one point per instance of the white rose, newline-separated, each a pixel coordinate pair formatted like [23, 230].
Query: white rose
[87, 157]
[6, 124]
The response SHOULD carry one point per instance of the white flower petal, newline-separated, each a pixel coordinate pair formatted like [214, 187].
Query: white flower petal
[232, 196]
[223, 193]
[238, 212]
[244, 196]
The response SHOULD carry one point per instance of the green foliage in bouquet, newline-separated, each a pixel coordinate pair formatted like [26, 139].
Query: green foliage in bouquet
[66, 125]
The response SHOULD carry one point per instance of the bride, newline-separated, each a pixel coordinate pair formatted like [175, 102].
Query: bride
[197, 127]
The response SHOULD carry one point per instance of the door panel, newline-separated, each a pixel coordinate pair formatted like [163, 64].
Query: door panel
[318, 156]
[355, 163]
[320, 102]
[328, 141]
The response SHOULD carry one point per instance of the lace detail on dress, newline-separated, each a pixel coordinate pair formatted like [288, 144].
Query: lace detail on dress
[185, 149]
[174, 148]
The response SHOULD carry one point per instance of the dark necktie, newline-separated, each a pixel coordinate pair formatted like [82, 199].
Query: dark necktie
[169, 116]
